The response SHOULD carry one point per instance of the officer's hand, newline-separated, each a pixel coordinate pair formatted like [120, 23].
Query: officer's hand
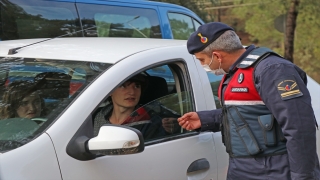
[190, 121]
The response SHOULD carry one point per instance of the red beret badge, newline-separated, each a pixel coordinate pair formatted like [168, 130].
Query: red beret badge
[202, 38]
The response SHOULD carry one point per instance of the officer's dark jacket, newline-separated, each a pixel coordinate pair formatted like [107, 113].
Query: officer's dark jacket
[292, 111]
[248, 126]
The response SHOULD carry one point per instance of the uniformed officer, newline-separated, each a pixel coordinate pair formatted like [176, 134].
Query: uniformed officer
[267, 122]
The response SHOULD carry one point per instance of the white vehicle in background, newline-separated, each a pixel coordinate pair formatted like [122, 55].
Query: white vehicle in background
[79, 74]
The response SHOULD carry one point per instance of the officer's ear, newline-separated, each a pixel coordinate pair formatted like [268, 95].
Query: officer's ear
[217, 56]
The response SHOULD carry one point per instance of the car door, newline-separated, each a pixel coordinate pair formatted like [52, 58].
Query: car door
[184, 155]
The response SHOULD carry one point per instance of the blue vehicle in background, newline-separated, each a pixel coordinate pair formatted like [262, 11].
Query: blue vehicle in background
[26, 19]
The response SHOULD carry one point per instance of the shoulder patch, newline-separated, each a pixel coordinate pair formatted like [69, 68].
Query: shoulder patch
[288, 88]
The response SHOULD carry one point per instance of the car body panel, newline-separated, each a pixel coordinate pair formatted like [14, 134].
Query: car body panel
[35, 160]
[165, 159]
[201, 146]
[314, 89]
[72, 51]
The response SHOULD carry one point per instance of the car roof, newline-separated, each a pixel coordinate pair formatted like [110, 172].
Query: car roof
[106, 50]
[143, 2]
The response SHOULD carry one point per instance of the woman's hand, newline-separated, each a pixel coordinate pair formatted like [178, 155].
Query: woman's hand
[170, 125]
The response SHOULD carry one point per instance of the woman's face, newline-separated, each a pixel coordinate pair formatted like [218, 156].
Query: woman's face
[127, 95]
[30, 106]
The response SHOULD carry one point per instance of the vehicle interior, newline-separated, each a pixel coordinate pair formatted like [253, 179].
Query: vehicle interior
[56, 82]
[165, 96]
[59, 82]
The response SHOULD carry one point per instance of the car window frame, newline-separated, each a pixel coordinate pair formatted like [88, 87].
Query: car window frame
[181, 13]
[179, 70]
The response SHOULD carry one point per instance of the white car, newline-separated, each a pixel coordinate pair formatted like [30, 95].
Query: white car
[77, 76]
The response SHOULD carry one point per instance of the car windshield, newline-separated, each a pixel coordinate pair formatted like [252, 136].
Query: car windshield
[33, 92]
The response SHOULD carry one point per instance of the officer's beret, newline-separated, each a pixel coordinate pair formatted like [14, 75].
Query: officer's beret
[205, 35]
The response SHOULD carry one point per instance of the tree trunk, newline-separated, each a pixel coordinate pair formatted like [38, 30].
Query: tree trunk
[290, 28]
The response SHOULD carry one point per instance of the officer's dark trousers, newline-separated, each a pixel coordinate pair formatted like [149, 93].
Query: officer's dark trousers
[264, 168]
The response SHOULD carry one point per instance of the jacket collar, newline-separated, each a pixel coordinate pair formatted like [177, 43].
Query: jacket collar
[233, 68]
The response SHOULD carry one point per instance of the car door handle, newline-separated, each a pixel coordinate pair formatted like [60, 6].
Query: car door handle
[200, 164]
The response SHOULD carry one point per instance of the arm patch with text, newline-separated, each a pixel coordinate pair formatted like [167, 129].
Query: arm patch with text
[288, 88]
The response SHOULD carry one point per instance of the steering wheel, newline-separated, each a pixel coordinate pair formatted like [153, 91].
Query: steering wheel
[39, 120]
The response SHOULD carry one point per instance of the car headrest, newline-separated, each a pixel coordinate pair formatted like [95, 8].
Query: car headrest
[156, 88]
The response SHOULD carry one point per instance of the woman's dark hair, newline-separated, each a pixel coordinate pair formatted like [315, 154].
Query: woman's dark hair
[139, 78]
[142, 79]
[14, 94]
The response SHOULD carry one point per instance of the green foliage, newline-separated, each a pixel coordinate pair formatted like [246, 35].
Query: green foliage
[307, 44]
[257, 18]
[180, 29]
[259, 21]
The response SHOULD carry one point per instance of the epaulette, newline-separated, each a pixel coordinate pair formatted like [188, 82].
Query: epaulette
[258, 53]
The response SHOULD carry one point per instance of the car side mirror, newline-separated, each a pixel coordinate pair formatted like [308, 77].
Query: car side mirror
[111, 140]
[116, 140]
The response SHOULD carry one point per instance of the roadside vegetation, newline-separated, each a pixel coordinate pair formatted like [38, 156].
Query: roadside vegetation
[289, 27]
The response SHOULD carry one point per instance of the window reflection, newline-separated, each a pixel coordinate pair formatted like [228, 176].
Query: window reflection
[181, 25]
[37, 19]
[116, 21]
[35, 91]
[215, 82]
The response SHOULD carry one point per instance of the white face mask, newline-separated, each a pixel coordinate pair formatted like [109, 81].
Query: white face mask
[217, 72]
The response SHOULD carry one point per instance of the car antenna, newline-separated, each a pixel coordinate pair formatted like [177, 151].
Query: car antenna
[136, 17]
[14, 50]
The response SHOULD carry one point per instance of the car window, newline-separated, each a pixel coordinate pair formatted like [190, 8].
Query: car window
[164, 72]
[181, 25]
[20, 19]
[116, 21]
[215, 82]
[196, 24]
[162, 101]
[35, 91]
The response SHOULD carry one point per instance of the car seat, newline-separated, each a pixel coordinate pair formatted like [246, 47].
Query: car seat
[157, 87]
